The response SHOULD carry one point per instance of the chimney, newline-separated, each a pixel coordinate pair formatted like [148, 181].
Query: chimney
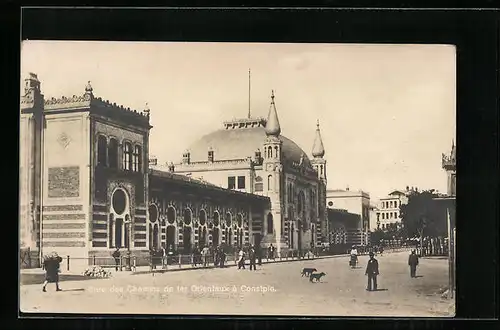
[186, 157]
[171, 167]
[210, 155]
[153, 161]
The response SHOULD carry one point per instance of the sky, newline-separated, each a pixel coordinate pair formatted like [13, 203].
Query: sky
[386, 112]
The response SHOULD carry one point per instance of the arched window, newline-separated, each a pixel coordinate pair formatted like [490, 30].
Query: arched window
[102, 150]
[137, 159]
[113, 153]
[276, 153]
[127, 156]
[170, 215]
[202, 217]
[269, 152]
[216, 219]
[269, 182]
[270, 223]
[187, 217]
[258, 184]
[321, 169]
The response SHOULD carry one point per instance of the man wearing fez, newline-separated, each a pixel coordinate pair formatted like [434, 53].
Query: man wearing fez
[372, 273]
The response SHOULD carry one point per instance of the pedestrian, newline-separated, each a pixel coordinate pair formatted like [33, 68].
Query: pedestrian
[116, 256]
[152, 260]
[216, 256]
[196, 253]
[205, 252]
[241, 259]
[259, 254]
[251, 256]
[163, 255]
[372, 272]
[413, 263]
[51, 265]
[222, 256]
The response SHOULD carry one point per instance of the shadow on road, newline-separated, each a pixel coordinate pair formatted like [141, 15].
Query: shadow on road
[377, 290]
[419, 276]
[72, 290]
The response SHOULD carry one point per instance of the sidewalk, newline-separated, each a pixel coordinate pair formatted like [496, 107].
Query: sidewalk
[172, 268]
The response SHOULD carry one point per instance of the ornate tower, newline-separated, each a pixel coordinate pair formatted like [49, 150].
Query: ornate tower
[319, 164]
[273, 170]
[318, 153]
[449, 164]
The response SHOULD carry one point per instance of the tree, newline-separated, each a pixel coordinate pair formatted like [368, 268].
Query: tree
[421, 216]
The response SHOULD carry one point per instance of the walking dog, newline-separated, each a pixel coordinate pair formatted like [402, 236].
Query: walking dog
[316, 276]
[308, 271]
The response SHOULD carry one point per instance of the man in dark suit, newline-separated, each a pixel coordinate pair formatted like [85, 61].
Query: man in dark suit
[116, 255]
[252, 257]
[372, 273]
[413, 263]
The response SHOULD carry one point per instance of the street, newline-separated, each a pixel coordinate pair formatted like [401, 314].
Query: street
[274, 289]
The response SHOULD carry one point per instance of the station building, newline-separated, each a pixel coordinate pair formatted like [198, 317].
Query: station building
[87, 185]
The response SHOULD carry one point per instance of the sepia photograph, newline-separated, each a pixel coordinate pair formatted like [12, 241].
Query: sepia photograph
[264, 179]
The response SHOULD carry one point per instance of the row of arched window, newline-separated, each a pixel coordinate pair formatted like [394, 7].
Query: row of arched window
[188, 215]
[269, 152]
[108, 154]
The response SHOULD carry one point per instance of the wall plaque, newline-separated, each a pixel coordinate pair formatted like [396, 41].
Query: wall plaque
[64, 182]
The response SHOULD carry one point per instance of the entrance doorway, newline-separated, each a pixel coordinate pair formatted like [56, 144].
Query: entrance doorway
[118, 232]
[215, 237]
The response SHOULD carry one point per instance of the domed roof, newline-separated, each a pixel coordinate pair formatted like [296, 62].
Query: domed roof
[240, 143]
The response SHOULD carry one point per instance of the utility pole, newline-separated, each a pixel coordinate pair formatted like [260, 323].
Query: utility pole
[451, 256]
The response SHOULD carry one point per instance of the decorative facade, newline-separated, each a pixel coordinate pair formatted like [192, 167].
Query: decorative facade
[251, 155]
[388, 213]
[86, 187]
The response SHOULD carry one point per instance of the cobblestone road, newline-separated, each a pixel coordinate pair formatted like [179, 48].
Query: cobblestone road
[274, 289]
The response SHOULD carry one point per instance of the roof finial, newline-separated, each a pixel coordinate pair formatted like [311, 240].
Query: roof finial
[88, 88]
[146, 110]
[273, 125]
[318, 150]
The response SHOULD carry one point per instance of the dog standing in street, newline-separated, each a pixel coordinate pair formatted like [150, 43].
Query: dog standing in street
[308, 271]
[316, 276]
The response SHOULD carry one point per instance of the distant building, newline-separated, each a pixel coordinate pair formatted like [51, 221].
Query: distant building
[344, 229]
[388, 209]
[374, 215]
[356, 202]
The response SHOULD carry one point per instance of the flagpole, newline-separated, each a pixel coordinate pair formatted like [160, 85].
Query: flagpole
[249, 84]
